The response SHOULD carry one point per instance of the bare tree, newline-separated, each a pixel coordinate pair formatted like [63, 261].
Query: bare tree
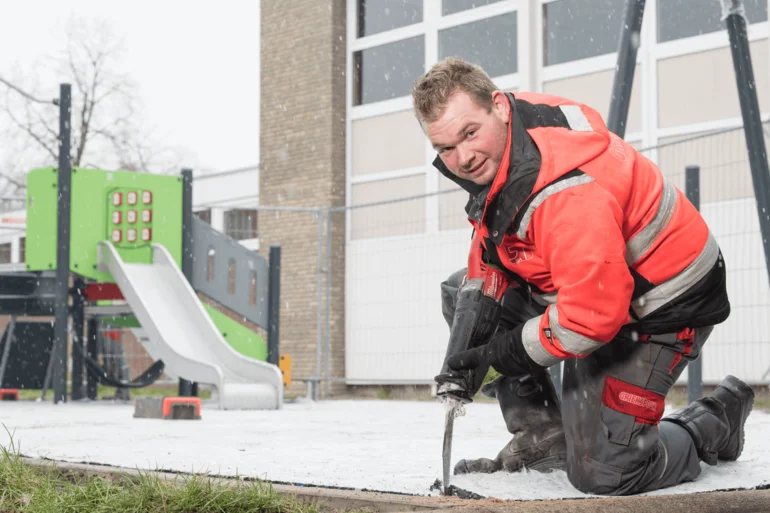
[107, 129]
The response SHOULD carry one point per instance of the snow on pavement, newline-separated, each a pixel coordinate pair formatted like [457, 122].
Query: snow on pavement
[392, 446]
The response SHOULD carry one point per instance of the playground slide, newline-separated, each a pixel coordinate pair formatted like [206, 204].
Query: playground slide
[181, 333]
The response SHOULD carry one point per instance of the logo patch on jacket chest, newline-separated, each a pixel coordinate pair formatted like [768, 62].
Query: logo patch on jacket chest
[517, 255]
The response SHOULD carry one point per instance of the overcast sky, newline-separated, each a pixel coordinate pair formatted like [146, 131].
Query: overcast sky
[196, 63]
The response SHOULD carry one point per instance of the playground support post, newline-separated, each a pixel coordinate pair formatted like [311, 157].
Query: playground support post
[93, 352]
[630, 34]
[752, 122]
[694, 368]
[63, 208]
[274, 305]
[187, 388]
[78, 328]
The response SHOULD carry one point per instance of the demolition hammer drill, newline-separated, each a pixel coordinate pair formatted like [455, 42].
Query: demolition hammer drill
[477, 313]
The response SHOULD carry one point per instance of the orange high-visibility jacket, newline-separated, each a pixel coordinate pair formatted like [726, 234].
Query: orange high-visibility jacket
[594, 232]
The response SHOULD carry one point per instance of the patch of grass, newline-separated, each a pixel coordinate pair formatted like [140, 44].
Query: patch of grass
[152, 391]
[31, 489]
[104, 391]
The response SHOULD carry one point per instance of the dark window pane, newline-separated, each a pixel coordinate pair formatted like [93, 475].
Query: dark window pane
[5, 253]
[231, 277]
[388, 71]
[453, 6]
[578, 29]
[490, 43]
[210, 265]
[241, 224]
[252, 288]
[23, 250]
[376, 16]
[204, 215]
[686, 18]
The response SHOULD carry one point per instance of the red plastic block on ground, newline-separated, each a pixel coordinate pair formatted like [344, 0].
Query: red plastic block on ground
[9, 394]
[181, 408]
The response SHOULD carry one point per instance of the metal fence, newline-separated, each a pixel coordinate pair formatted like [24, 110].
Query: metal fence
[398, 251]
[741, 345]
[360, 289]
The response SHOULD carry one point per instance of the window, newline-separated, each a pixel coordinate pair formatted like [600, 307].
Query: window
[252, 288]
[210, 265]
[686, 18]
[388, 71]
[388, 215]
[490, 43]
[374, 139]
[375, 16]
[22, 250]
[204, 215]
[453, 6]
[241, 224]
[578, 29]
[231, 277]
[5, 253]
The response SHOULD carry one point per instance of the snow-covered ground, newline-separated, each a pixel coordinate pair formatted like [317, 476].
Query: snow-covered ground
[389, 446]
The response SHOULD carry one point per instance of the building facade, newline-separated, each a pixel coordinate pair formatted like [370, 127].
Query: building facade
[684, 86]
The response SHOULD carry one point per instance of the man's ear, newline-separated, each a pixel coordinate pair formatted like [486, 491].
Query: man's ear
[501, 107]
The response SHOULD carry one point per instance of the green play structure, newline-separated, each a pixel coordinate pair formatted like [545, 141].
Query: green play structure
[130, 209]
[139, 259]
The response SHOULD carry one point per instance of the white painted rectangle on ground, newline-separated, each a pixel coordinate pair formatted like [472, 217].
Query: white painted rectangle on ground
[391, 446]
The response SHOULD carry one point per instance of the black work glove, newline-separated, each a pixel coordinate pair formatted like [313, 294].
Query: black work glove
[504, 351]
[461, 385]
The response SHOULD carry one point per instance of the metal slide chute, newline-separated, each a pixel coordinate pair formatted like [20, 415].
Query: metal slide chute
[182, 334]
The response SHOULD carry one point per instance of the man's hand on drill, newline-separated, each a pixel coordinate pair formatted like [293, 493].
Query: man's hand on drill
[505, 352]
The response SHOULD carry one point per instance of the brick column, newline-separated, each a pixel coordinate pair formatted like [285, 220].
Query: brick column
[302, 146]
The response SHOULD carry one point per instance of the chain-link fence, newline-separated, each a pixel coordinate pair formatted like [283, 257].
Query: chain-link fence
[360, 285]
[741, 345]
[397, 254]
[398, 251]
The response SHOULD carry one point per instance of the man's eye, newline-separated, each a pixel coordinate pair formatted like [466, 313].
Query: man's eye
[471, 133]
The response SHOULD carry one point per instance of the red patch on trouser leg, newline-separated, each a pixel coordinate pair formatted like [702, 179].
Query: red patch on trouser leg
[624, 397]
[688, 336]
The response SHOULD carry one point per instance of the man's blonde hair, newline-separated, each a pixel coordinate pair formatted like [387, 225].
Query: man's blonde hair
[432, 91]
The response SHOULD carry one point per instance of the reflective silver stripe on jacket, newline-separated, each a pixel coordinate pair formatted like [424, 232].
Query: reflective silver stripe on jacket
[530, 336]
[571, 341]
[575, 118]
[673, 288]
[543, 195]
[642, 241]
[545, 299]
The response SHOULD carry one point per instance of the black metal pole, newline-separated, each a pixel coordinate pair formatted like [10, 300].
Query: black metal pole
[78, 329]
[752, 122]
[187, 388]
[695, 368]
[93, 352]
[274, 305]
[630, 35]
[63, 205]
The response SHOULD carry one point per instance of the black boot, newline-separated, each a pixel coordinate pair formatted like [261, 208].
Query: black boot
[716, 423]
[532, 415]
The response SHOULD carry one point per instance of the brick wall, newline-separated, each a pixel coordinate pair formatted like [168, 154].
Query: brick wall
[302, 145]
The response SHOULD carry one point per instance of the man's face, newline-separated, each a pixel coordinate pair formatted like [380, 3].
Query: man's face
[470, 140]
